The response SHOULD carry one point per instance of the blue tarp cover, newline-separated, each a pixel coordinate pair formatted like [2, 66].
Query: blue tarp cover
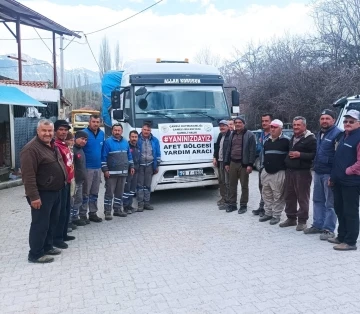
[10, 95]
[111, 80]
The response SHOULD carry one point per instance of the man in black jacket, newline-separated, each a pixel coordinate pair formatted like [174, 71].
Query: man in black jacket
[298, 175]
[274, 152]
[220, 149]
[239, 162]
[79, 218]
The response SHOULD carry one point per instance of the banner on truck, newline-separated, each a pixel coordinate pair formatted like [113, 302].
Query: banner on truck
[186, 141]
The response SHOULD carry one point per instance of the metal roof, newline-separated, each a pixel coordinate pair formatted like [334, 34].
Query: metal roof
[10, 10]
[12, 96]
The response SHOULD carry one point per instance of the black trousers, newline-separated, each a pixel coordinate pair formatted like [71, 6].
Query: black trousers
[64, 216]
[43, 223]
[346, 204]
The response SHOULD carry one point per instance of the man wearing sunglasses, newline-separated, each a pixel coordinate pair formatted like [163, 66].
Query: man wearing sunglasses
[345, 180]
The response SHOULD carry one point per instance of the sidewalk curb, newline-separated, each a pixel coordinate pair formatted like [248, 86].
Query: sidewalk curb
[10, 184]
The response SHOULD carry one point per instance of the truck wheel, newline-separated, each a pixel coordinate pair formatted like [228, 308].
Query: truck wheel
[257, 164]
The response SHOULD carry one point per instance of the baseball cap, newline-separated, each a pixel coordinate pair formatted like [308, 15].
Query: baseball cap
[59, 123]
[353, 114]
[223, 122]
[329, 113]
[277, 122]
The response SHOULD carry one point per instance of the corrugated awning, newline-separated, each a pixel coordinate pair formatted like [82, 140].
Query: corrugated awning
[12, 96]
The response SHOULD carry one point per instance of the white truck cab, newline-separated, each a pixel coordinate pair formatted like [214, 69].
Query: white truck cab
[183, 102]
[345, 104]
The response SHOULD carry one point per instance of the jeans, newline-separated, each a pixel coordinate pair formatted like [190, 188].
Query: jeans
[323, 204]
[43, 223]
[346, 203]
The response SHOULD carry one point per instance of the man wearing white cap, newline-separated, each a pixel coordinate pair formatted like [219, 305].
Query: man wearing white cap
[345, 179]
[220, 149]
[276, 147]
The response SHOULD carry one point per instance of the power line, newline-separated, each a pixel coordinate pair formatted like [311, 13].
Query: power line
[87, 41]
[42, 40]
[128, 18]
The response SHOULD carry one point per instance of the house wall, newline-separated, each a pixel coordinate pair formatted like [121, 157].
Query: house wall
[5, 143]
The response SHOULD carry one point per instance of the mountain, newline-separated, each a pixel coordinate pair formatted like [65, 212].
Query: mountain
[40, 70]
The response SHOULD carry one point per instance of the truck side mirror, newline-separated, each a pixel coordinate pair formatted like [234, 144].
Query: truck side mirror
[118, 115]
[235, 98]
[115, 99]
[143, 103]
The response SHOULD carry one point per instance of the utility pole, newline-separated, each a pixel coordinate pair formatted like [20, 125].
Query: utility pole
[62, 77]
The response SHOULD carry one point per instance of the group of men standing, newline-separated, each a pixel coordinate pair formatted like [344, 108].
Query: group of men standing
[286, 174]
[62, 182]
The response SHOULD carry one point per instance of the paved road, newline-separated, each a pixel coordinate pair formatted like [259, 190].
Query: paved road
[184, 257]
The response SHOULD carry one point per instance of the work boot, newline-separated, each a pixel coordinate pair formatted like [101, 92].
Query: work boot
[60, 245]
[41, 260]
[327, 235]
[69, 238]
[223, 206]
[85, 219]
[334, 240]
[301, 227]
[120, 213]
[257, 212]
[220, 202]
[131, 209]
[73, 226]
[108, 216]
[53, 251]
[94, 218]
[265, 218]
[79, 222]
[274, 220]
[231, 208]
[148, 207]
[140, 207]
[345, 247]
[288, 223]
[312, 230]
[242, 209]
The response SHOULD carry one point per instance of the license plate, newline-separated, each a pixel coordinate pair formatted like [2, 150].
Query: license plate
[191, 172]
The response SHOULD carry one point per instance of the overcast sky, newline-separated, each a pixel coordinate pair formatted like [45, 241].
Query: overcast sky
[174, 29]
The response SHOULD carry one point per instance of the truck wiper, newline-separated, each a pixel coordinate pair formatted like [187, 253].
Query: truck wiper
[199, 112]
[157, 113]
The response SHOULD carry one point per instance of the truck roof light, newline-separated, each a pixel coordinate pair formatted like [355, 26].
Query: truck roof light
[158, 60]
[186, 60]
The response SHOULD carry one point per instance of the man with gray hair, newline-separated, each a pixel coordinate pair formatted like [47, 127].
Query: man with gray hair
[298, 175]
[44, 175]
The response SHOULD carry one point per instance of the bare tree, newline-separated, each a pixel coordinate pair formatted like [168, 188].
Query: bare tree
[104, 57]
[118, 59]
[205, 56]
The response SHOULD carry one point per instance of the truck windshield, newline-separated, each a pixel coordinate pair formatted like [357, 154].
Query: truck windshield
[182, 102]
